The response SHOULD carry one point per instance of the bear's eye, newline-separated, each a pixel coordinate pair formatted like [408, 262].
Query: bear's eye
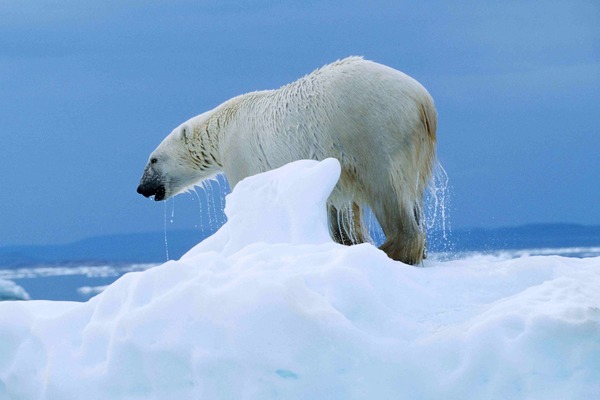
[153, 160]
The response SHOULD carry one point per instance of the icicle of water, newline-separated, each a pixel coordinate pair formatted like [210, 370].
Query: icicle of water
[345, 223]
[165, 228]
[341, 225]
[438, 192]
[370, 223]
[436, 207]
[223, 191]
[344, 213]
[351, 227]
[208, 187]
[199, 209]
[221, 195]
[212, 210]
[172, 209]
[207, 203]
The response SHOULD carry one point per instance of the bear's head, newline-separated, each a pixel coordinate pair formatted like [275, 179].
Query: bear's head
[181, 160]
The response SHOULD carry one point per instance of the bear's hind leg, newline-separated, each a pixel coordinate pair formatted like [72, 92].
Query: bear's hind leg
[346, 225]
[405, 239]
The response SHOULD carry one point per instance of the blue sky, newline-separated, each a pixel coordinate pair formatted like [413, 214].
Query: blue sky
[88, 89]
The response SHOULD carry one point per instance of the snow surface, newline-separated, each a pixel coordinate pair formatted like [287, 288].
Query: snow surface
[270, 308]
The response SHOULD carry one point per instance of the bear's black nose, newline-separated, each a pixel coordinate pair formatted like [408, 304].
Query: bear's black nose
[151, 190]
[143, 190]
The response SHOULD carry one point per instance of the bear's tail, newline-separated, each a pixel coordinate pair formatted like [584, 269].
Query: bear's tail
[427, 156]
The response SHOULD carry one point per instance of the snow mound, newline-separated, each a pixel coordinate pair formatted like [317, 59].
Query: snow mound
[11, 291]
[269, 307]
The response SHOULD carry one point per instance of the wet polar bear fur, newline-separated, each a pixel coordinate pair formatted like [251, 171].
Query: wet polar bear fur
[377, 121]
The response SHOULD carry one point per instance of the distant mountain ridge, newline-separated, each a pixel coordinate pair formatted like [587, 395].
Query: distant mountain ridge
[151, 248]
[121, 248]
[527, 236]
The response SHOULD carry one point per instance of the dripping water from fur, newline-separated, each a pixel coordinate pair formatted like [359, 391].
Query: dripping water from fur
[210, 204]
[165, 229]
[436, 210]
[345, 220]
[165, 224]
[212, 188]
[201, 214]
[172, 210]
[223, 186]
[211, 210]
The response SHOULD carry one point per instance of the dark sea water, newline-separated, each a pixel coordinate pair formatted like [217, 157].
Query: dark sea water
[67, 282]
[80, 283]
[62, 274]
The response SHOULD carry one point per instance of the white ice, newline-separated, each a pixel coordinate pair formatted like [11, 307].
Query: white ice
[11, 291]
[270, 308]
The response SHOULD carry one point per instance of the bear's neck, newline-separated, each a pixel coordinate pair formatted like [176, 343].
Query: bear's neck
[204, 145]
[231, 118]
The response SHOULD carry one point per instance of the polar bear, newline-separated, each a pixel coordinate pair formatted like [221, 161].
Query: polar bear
[378, 122]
